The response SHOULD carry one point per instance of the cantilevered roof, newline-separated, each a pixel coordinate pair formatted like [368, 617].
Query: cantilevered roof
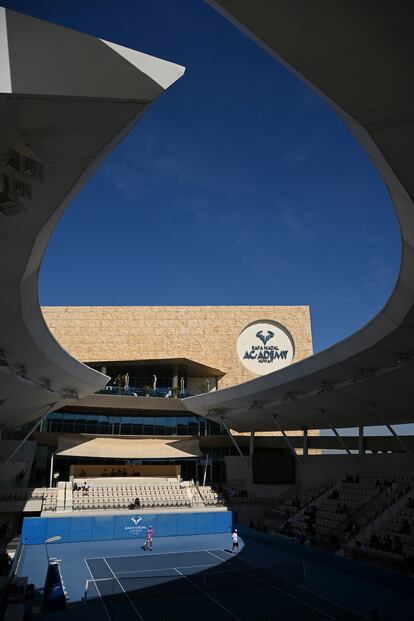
[196, 369]
[126, 447]
[66, 100]
[359, 56]
[120, 404]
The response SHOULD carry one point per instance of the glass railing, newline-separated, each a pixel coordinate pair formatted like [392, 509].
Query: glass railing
[135, 391]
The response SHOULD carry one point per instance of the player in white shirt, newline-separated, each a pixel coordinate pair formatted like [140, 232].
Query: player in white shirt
[235, 540]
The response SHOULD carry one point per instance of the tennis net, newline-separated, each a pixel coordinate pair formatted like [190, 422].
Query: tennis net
[178, 582]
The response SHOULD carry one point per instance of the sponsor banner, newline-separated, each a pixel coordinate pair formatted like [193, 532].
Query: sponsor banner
[127, 526]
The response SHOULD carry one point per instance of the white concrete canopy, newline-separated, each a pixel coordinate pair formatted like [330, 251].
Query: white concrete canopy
[66, 100]
[359, 56]
[125, 447]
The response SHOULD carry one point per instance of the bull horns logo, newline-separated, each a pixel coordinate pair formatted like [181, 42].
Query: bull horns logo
[136, 520]
[265, 337]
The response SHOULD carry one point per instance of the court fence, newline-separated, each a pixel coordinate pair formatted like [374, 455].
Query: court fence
[150, 584]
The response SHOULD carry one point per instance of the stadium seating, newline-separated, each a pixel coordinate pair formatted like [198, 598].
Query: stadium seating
[350, 512]
[208, 496]
[47, 496]
[389, 538]
[123, 494]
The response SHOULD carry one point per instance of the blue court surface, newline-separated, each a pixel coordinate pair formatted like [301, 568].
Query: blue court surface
[196, 577]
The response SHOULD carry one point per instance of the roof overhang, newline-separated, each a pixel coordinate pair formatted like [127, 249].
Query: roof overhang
[121, 404]
[66, 100]
[193, 368]
[125, 447]
[359, 58]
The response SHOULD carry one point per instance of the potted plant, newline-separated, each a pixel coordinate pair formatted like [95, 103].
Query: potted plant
[176, 391]
[204, 387]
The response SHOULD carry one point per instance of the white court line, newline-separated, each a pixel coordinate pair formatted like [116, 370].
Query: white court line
[96, 558]
[326, 599]
[138, 571]
[213, 599]
[125, 593]
[99, 593]
[272, 586]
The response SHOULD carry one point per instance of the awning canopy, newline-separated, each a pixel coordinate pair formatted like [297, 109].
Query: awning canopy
[83, 445]
[191, 367]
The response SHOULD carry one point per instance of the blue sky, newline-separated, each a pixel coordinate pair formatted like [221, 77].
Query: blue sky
[239, 186]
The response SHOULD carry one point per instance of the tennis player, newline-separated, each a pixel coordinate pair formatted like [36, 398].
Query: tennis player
[235, 540]
[148, 538]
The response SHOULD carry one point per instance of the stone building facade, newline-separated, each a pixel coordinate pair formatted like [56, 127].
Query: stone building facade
[207, 335]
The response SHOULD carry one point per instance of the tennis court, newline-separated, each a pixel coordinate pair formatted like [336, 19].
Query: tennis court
[203, 584]
[195, 577]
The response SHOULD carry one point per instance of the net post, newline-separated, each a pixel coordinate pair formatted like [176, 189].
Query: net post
[86, 591]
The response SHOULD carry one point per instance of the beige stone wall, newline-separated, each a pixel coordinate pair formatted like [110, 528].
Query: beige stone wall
[205, 334]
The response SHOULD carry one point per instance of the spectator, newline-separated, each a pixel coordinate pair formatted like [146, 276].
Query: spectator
[20, 476]
[4, 529]
[5, 562]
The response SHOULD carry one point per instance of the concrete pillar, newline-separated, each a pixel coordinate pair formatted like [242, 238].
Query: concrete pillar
[287, 440]
[305, 442]
[251, 445]
[341, 441]
[251, 455]
[361, 448]
[52, 459]
[175, 377]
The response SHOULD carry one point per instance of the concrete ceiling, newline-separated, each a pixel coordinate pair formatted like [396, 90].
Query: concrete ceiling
[358, 56]
[66, 100]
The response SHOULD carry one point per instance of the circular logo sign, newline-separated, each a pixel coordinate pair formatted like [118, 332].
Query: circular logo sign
[265, 346]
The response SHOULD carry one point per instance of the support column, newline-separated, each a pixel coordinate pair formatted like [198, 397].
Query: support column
[341, 442]
[251, 455]
[397, 437]
[361, 447]
[305, 442]
[287, 439]
[175, 377]
[205, 470]
[52, 463]
[391, 429]
[246, 461]
[49, 409]
[251, 445]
